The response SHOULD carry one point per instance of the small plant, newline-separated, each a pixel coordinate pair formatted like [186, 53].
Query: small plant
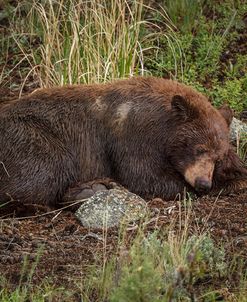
[163, 269]
[242, 147]
[184, 13]
[141, 279]
[165, 266]
[233, 92]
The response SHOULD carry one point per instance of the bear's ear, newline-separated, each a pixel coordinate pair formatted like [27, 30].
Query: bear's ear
[182, 107]
[227, 113]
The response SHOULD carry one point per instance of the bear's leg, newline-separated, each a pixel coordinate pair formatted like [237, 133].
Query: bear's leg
[166, 184]
[230, 175]
[84, 190]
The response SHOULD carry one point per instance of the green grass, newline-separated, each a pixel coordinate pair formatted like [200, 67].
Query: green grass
[42, 293]
[242, 147]
[184, 14]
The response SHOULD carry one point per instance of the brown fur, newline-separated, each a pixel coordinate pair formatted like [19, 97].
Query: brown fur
[153, 136]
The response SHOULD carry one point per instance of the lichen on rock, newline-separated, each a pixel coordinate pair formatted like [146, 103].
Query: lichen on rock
[111, 208]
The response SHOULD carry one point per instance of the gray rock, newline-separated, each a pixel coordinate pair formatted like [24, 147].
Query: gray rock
[111, 208]
[237, 129]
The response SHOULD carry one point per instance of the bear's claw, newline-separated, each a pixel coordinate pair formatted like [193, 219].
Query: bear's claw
[86, 190]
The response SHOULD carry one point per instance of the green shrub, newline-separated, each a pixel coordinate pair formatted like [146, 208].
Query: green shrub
[167, 269]
[232, 92]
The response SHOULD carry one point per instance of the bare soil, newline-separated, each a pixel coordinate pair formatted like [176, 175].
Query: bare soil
[67, 248]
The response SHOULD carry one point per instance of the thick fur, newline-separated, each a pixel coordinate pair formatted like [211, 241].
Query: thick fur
[145, 133]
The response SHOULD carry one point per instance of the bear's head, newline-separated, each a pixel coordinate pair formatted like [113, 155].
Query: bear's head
[200, 141]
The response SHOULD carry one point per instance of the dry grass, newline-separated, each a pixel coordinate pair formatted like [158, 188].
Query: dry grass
[71, 42]
[80, 41]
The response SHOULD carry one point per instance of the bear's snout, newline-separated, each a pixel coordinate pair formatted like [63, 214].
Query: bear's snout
[203, 185]
[200, 174]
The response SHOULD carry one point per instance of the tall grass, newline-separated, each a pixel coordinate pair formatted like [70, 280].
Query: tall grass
[80, 41]
[71, 42]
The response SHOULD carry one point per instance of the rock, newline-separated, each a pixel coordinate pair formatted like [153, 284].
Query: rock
[111, 208]
[237, 129]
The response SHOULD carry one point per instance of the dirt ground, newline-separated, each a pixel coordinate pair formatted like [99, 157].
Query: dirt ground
[67, 248]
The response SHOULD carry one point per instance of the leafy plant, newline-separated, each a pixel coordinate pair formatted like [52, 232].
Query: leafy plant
[233, 92]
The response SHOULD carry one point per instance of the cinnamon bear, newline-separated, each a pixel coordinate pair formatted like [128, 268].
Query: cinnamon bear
[154, 136]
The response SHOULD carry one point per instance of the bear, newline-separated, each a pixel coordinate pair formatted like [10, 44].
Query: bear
[155, 137]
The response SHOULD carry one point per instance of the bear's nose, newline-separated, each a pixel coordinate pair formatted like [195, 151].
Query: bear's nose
[202, 184]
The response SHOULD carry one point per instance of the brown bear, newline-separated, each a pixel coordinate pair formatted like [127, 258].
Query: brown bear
[155, 137]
